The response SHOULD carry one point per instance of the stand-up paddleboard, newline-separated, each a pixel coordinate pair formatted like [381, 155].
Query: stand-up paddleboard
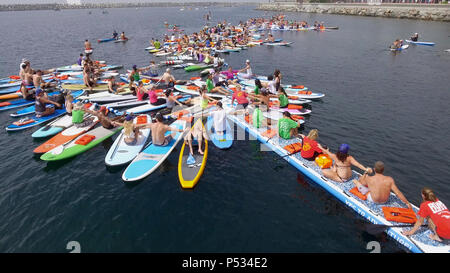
[12, 95]
[54, 127]
[65, 136]
[105, 40]
[279, 44]
[251, 83]
[33, 121]
[147, 107]
[399, 49]
[293, 111]
[155, 50]
[121, 40]
[74, 67]
[420, 43]
[80, 144]
[193, 90]
[190, 172]
[276, 115]
[221, 141]
[147, 161]
[112, 98]
[7, 105]
[12, 89]
[197, 67]
[149, 48]
[101, 87]
[120, 152]
[295, 94]
[125, 103]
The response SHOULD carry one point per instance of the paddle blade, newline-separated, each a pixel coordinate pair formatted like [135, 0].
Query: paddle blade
[190, 160]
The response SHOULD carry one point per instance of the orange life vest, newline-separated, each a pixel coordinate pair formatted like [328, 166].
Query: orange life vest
[401, 215]
[324, 161]
[84, 140]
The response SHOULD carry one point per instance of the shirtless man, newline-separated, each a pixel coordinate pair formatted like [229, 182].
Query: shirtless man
[379, 186]
[38, 82]
[113, 87]
[87, 45]
[26, 76]
[159, 130]
[168, 78]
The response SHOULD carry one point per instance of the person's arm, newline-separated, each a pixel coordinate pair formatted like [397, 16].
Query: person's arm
[359, 165]
[45, 100]
[174, 129]
[91, 112]
[400, 194]
[417, 225]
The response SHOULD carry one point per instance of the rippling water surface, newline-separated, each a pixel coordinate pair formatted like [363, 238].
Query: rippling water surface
[389, 107]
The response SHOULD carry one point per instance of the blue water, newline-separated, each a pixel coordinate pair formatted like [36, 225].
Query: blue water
[387, 106]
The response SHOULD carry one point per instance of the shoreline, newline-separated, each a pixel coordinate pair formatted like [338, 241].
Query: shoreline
[56, 7]
[430, 12]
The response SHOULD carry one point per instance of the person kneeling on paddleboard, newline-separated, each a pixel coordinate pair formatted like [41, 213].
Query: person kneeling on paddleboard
[378, 187]
[159, 129]
[341, 170]
[310, 147]
[437, 216]
[415, 37]
[41, 100]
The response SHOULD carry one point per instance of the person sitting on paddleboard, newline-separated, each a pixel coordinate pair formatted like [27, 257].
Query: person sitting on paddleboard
[342, 162]
[38, 82]
[130, 129]
[310, 147]
[168, 78]
[379, 186]
[437, 216]
[271, 85]
[122, 36]
[415, 37]
[41, 100]
[141, 92]
[69, 104]
[102, 114]
[283, 100]
[159, 129]
[153, 97]
[241, 98]
[248, 71]
[277, 78]
[80, 59]
[287, 127]
[113, 87]
[171, 100]
[214, 89]
[134, 75]
[87, 45]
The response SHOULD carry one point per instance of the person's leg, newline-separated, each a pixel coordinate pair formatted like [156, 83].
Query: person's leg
[432, 227]
[200, 140]
[48, 111]
[331, 174]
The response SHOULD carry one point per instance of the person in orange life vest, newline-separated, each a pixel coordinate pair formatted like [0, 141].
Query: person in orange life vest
[437, 215]
[310, 148]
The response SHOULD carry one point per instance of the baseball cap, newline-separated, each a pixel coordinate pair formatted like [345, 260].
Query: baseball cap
[129, 117]
[344, 148]
[38, 91]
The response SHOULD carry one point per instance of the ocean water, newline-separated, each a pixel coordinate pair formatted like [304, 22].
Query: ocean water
[387, 106]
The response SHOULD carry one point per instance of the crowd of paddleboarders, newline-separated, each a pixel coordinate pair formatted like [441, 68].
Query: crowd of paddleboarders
[258, 103]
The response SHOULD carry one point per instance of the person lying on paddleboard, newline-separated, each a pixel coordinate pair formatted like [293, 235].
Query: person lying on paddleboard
[41, 110]
[341, 170]
[379, 186]
[437, 216]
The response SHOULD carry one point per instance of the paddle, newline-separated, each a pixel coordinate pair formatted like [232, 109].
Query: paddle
[59, 149]
[376, 229]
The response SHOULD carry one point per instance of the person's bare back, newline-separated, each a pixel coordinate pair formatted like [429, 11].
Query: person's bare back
[158, 130]
[380, 187]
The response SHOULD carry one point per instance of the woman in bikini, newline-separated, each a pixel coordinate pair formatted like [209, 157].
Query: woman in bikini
[341, 170]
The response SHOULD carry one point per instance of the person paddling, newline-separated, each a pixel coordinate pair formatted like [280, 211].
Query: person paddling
[437, 216]
[378, 187]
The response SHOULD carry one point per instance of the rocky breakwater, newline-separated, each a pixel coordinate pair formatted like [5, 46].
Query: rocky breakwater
[415, 11]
